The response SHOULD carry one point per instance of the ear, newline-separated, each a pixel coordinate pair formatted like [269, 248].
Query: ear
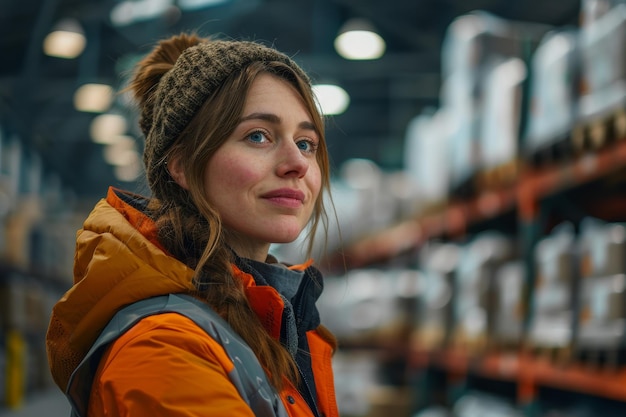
[175, 168]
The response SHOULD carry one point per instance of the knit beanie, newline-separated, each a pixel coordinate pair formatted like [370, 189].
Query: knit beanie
[196, 75]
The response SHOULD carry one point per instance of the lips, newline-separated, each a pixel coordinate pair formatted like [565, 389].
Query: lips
[285, 193]
[285, 196]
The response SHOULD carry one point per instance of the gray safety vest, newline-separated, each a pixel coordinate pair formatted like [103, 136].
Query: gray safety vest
[247, 376]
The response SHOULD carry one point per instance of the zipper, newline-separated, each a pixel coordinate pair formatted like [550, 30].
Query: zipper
[312, 404]
[307, 386]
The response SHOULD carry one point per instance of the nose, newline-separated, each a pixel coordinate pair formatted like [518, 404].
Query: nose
[292, 162]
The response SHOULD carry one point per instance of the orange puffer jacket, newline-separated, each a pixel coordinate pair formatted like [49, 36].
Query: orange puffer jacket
[165, 365]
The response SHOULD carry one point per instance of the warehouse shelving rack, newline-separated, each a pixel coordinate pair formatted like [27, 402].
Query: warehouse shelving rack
[594, 180]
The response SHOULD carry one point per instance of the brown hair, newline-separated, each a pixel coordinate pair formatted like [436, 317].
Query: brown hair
[189, 227]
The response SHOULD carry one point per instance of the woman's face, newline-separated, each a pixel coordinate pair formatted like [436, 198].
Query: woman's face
[264, 180]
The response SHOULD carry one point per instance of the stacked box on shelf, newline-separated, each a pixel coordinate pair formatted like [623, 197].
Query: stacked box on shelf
[10, 158]
[592, 10]
[52, 243]
[433, 323]
[509, 305]
[356, 375]
[477, 403]
[365, 306]
[474, 308]
[473, 45]
[602, 295]
[457, 100]
[554, 92]
[468, 44]
[5, 197]
[19, 227]
[602, 107]
[402, 201]
[363, 181]
[24, 172]
[10, 161]
[500, 122]
[388, 400]
[426, 157]
[53, 237]
[13, 290]
[552, 312]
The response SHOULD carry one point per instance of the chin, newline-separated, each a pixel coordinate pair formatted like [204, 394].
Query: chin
[284, 232]
[284, 239]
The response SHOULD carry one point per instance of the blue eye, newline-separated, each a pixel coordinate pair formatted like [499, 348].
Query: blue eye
[307, 146]
[257, 137]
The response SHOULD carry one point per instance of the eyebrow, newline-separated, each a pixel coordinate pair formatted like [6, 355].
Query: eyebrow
[274, 119]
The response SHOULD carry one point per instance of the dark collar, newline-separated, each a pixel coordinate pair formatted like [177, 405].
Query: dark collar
[301, 288]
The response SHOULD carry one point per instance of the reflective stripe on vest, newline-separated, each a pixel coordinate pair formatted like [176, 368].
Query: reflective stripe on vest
[247, 375]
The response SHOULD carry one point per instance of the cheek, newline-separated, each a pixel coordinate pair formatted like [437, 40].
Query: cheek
[314, 184]
[226, 175]
[316, 181]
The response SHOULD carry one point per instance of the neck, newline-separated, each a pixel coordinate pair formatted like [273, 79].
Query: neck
[245, 247]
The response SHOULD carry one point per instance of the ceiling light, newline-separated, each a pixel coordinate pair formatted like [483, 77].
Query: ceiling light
[199, 4]
[121, 152]
[120, 157]
[127, 173]
[67, 40]
[94, 98]
[106, 128]
[331, 99]
[358, 40]
[128, 12]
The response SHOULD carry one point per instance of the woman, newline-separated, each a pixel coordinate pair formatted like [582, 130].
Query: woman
[236, 160]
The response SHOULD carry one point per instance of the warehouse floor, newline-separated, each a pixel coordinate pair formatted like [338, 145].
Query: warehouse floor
[51, 403]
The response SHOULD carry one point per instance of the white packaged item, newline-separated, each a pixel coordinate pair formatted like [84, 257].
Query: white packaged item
[556, 278]
[602, 295]
[502, 112]
[475, 288]
[426, 155]
[462, 116]
[509, 305]
[603, 50]
[554, 90]
[592, 10]
[438, 261]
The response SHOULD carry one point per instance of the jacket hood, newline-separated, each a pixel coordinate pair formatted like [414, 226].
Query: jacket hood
[116, 255]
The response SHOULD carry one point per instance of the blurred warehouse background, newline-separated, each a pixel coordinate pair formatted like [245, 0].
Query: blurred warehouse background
[479, 175]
